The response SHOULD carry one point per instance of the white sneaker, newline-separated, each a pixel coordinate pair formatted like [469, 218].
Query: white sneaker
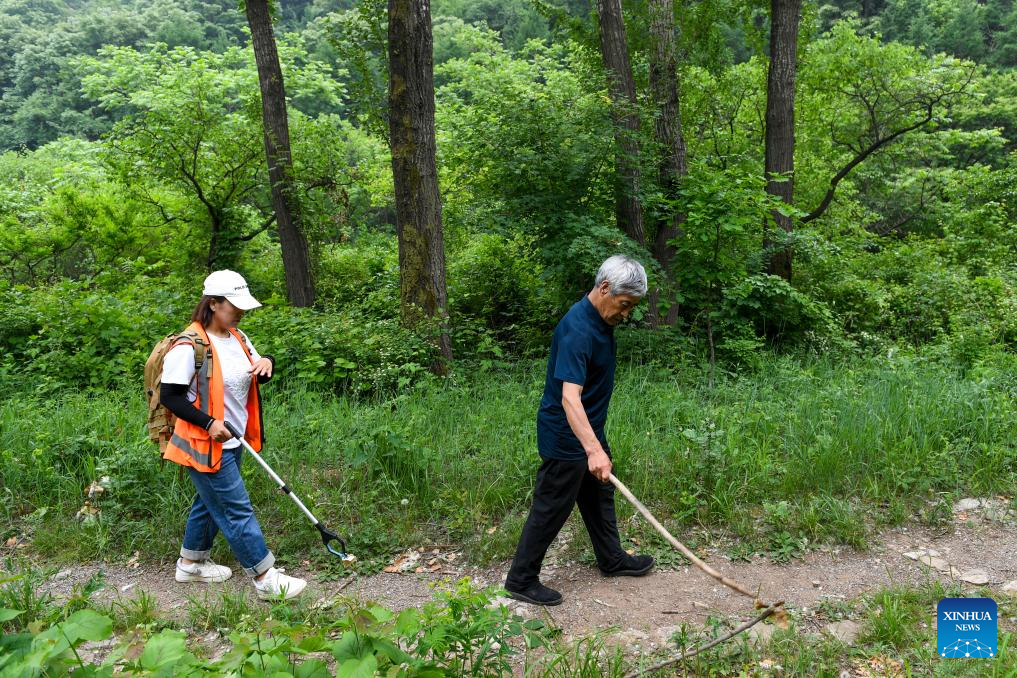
[204, 570]
[275, 585]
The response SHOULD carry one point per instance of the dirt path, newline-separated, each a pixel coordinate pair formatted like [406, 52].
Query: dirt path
[646, 611]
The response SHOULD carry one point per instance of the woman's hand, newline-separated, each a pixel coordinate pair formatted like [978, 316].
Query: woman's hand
[262, 368]
[219, 432]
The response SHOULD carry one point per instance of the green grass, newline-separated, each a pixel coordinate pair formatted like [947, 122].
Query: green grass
[794, 453]
[232, 608]
[141, 609]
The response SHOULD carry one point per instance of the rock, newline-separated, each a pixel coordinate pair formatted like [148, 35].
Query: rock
[968, 504]
[1010, 588]
[760, 634]
[917, 554]
[633, 638]
[501, 601]
[998, 512]
[978, 577]
[816, 584]
[62, 574]
[700, 606]
[934, 562]
[845, 631]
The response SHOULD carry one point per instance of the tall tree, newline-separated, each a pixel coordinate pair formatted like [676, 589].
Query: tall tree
[622, 89]
[667, 127]
[411, 138]
[187, 148]
[285, 204]
[780, 121]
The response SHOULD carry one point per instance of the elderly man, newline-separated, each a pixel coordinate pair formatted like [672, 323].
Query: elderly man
[570, 435]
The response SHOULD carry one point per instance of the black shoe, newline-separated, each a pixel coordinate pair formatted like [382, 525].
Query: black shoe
[633, 566]
[538, 594]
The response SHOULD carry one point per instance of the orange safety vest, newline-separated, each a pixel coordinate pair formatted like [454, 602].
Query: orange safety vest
[192, 445]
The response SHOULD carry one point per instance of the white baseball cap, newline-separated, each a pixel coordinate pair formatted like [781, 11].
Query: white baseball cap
[231, 285]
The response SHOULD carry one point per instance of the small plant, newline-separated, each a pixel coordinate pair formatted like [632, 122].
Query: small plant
[20, 591]
[141, 610]
[81, 593]
[784, 546]
[890, 619]
[231, 610]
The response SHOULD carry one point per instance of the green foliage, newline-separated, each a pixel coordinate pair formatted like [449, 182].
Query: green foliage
[522, 143]
[41, 97]
[189, 142]
[459, 633]
[62, 216]
[340, 350]
[516, 22]
[359, 37]
[497, 282]
[968, 29]
[80, 333]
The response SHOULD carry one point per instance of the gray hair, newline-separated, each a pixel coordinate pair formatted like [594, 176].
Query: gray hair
[626, 275]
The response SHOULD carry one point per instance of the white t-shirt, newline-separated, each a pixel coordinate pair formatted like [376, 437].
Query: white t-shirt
[178, 368]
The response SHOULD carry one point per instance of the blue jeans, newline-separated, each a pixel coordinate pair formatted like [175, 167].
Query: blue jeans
[222, 505]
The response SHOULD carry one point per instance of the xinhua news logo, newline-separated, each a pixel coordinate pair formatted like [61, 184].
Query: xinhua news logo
[966, 628]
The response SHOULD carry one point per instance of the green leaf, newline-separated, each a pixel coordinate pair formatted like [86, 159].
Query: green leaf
[312, 644]
[380, 613]
[164, 649]
[348, 646]
[358, 668]
[90, 671]
[87, 625]
[408, 623]
[390, 650]
[430, 672]
[7, 614]
[312, 668]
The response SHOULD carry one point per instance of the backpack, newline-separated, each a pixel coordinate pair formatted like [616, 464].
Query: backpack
[160, 420]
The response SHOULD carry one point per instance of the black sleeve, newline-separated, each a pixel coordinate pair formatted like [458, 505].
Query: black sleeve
[174, 397]
[262, 378]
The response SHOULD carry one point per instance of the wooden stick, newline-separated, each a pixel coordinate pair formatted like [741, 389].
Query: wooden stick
[703, 648]
[684, 550]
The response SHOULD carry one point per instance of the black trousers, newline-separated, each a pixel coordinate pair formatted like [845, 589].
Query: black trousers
[560, 486]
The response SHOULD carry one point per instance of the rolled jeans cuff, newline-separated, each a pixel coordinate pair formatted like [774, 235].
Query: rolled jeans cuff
[262, 567]
[196, 556]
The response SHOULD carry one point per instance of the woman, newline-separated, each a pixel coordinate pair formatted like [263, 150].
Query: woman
[223, 389]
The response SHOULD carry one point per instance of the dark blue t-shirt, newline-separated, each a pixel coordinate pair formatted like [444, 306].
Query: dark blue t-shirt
[582, 352]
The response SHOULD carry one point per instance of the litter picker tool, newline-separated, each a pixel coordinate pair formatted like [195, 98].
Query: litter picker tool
[327, 535]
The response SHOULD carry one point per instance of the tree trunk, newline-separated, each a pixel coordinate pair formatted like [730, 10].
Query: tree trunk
[667, 129]
[411, 135]
[292, 242]
[622, 88]
[780, 120]
[213, 242]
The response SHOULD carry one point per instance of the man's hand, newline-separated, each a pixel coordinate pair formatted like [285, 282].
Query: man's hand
[262, 368]
[600, 466]
[218, 432]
